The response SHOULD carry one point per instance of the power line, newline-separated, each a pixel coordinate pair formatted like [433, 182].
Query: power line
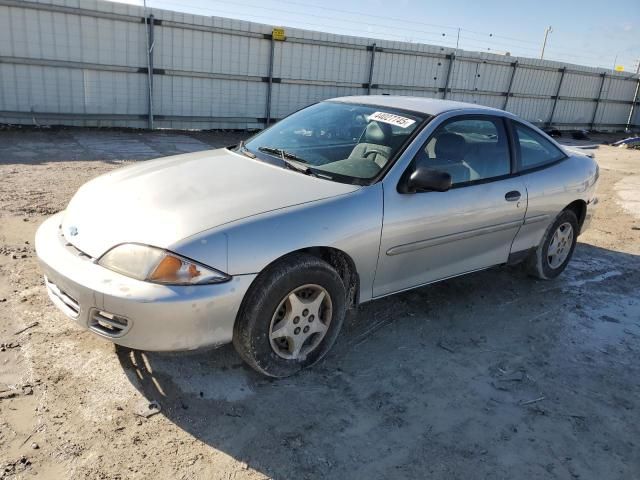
[439, 35]
[333, 19]
[404, 21]
[490, 42]
[324, 26]
[550, 51]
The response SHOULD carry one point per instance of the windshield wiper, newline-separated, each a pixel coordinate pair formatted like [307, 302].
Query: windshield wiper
[294, 162]
[298, 167]
[244, 150]
[282, 153]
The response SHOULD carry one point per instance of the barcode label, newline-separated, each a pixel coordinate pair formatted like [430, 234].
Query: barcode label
[392, 119]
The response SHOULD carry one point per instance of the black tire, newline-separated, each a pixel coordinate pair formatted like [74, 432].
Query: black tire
[538, 265]
[252, 326]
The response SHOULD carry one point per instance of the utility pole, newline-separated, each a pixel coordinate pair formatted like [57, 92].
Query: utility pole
[148, 22]
[547, 31]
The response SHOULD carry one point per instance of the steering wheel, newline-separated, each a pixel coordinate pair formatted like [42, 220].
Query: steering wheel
[373, 152]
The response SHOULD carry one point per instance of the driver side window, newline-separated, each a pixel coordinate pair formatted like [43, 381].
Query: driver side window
[468, 149]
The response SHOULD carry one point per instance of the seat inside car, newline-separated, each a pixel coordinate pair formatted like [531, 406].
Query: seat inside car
[485, 159]
[375, 144]
[450, 151]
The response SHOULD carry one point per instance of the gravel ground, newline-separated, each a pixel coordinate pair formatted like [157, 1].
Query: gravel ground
[493, 375]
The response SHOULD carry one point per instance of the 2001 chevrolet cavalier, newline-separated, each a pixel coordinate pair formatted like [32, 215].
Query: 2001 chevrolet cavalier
[269, 243]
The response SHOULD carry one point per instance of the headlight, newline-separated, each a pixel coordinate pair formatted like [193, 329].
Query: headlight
[157, 265]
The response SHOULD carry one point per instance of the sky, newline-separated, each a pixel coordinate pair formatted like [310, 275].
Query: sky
[588, 32]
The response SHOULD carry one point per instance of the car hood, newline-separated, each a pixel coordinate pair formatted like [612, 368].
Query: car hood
[160, 202]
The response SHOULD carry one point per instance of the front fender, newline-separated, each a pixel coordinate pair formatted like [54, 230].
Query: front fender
[351, 223]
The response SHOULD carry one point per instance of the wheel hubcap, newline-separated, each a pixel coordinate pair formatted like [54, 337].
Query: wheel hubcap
[560, 245]
[300, 322]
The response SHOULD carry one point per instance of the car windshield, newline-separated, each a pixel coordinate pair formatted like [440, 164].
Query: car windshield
[339, 141]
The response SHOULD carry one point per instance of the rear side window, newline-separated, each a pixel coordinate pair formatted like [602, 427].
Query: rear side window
[535, 150]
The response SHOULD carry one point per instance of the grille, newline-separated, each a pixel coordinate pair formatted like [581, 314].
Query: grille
[65, 302]
[108, 324]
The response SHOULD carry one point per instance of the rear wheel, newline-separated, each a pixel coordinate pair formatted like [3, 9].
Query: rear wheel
[554, 252]
[291, 316]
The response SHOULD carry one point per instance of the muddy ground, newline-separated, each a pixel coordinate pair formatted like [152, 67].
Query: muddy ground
[493, 375]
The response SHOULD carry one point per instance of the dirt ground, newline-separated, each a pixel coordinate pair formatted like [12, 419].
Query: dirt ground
[493, 375]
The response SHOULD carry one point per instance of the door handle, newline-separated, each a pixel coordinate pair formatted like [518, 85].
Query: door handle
[512, 196]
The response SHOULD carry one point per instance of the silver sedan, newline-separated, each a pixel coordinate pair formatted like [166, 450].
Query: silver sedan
[268, 244]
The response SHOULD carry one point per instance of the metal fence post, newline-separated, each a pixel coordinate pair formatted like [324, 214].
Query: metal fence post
[555, 98]
[513, 75]
[635, 99]
[270, 84]
[371, 66]
[150, 44]
[452, 58]
[595, 110]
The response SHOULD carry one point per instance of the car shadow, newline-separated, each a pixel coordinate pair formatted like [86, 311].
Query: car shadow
[443, 380]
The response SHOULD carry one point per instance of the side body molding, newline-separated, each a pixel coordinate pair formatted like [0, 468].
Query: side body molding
[432, 242]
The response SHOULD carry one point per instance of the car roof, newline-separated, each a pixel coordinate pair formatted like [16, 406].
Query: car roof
[430, 106]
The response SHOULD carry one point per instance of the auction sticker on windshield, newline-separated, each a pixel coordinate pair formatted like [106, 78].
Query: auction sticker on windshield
[392, 119]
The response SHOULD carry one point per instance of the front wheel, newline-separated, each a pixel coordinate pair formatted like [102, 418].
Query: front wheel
[291, 316]
[554, 252]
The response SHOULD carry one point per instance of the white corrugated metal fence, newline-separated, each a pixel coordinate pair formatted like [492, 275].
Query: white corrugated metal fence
[85, 63]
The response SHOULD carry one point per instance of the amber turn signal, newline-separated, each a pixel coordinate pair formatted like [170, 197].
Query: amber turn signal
[167, 269]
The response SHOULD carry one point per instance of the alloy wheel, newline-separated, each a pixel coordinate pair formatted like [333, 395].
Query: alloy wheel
[300, 322]
[560, 245]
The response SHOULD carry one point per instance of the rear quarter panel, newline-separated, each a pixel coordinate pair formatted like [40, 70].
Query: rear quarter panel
[549, 191]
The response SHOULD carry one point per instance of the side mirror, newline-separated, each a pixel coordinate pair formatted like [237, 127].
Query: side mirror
[427, 180]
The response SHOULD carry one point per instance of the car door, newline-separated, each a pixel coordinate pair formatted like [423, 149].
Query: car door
[428, 236]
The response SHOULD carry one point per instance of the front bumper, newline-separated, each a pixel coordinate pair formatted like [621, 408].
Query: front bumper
[131, 312]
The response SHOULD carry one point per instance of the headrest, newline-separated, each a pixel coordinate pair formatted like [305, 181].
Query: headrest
[377, 132]
[450, 145]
